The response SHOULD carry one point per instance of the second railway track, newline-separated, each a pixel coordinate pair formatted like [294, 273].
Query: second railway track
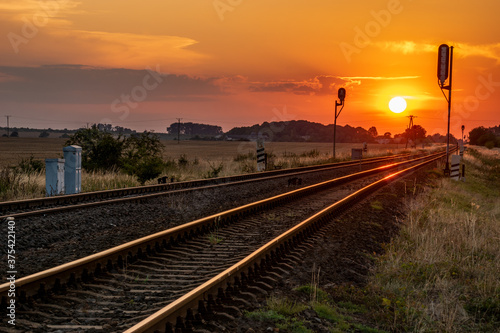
[55, 204]
[113, 290]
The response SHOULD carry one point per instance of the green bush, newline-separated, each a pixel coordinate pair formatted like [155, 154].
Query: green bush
[138, 155]
[214, 170]
[146, 168]
[142, 157]
[30, 165]
[183, 161]
[100, 149]
[490, 144]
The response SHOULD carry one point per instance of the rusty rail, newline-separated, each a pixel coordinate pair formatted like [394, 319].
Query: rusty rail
[259, 260]
[82, 200]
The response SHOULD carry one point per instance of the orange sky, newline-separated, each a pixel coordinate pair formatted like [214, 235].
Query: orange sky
[65, 63]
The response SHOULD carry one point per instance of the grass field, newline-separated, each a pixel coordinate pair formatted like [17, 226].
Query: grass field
[13, 150]
[186, 160]
[440, 274]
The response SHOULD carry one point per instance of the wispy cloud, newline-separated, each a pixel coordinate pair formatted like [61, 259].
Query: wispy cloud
[45, 28]
[347, 78]
[50, 12]
[319, 85]
[406, 47]
[491, 51]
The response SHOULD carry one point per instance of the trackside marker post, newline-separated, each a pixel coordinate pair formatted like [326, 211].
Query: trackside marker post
[261, 155]
[455, 167]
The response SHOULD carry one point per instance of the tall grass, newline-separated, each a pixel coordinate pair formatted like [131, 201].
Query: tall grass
[442, 274]
[23, 182]
[20, 185]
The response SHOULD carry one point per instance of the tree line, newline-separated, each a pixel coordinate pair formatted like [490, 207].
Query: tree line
[139, 155]
[488, 137]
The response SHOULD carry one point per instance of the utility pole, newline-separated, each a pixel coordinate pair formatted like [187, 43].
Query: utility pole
[8, 127]
[341, 96]
[179, 130]
[410, 126]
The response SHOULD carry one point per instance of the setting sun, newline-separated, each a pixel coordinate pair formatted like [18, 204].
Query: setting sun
[397, 104]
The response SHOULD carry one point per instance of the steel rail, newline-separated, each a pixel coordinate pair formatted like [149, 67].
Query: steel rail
[88, 196]
[190, 186]
[258, 260]
[127, 252]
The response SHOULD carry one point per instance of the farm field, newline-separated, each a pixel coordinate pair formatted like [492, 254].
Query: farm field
[13, 150]
[187, 160]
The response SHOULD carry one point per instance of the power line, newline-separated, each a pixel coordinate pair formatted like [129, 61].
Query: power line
[8, 127]
[179, 130]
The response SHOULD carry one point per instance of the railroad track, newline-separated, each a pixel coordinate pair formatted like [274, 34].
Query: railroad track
[55, 204]
[162, 278]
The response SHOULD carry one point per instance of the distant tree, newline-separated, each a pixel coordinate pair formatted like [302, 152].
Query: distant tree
[105, 127]
[193, 129]
[476, 134]
[373, 131]
[416, 133]
[44, 134]
[139, 154]
[143, 156]
[488, 139]
[100, 150]
[14, 134]
[387, 135]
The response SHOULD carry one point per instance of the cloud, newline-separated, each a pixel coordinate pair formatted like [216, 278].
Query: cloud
[382, 78]
[45, 28]
[407, 47]
[491, 51]
[80, 84]
[320, 85]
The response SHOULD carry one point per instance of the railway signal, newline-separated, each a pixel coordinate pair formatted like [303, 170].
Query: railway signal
[444, 72]
[341, 96]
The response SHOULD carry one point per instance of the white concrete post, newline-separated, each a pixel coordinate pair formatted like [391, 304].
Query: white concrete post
[54, 176]
[73, 169]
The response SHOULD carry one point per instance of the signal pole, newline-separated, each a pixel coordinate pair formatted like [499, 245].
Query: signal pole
[445, 67]
[341, 95]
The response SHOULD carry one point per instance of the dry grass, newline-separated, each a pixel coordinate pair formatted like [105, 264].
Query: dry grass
[443, 273]
[19, 186]
[13, 150]
[185, 161]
